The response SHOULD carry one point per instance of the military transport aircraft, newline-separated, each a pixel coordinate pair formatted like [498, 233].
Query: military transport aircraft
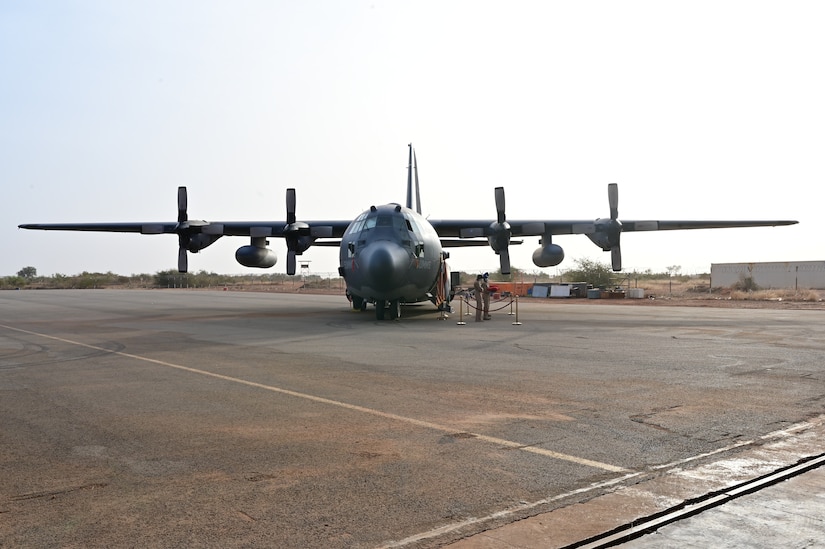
[391, 254]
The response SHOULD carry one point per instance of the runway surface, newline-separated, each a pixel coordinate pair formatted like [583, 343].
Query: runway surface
[204, 418]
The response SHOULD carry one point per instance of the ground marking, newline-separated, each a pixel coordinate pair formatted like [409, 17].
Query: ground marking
[779, 435]
[354, 407]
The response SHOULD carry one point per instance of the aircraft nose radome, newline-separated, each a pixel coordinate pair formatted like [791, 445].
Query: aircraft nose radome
[385, 263]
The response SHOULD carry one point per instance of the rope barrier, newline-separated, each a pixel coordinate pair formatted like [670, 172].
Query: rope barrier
[462, 297]
[470, 305]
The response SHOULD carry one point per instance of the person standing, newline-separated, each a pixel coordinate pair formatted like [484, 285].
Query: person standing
[485, 286]
[478, 290]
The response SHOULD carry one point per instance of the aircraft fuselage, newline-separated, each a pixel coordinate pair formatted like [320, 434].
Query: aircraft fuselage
[390, 254]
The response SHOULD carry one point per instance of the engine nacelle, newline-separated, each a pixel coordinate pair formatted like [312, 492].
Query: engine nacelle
[499, 237]
[199, 241]
[255, 256]
[606, 235]
[548, 256]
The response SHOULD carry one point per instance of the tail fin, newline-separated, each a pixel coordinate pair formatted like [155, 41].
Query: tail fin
[413, 166]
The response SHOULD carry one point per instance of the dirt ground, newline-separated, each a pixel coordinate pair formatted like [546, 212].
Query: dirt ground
[657, 293]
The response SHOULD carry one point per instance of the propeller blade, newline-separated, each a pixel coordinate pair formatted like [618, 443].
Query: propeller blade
[504, 258]
[290, 262]
[290, 206]
[500, 204]
[183, 260]
[613, 199]
[182, 205]
[616, 257]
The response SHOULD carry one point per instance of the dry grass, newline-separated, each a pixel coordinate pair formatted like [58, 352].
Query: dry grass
[776, 295]
[674, 288]
[699, 288]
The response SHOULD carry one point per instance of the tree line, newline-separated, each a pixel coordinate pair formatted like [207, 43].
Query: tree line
[28, 278]
[593, 272]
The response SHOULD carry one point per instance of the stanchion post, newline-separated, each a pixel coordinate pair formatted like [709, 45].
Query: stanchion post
[511, 313]
[461, 312]
[516, 323]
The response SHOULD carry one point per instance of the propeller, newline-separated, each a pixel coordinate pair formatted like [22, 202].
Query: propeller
[615, 228]
[606, 233]
[183, 236]
[293, 231]
[500, 233]
[299, 235]
[193, 234]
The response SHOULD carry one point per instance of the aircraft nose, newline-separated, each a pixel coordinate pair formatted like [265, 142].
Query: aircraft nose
[385, 263]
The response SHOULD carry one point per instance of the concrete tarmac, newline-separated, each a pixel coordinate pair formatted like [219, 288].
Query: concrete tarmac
[173, 418]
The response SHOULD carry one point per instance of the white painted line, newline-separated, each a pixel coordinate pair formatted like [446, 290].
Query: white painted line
[354, 407]
[775, 435]
[452, 527]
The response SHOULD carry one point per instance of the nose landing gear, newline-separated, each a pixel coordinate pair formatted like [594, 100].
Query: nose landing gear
[394, 309]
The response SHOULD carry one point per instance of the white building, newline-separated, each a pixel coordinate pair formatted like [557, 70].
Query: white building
[775, 275]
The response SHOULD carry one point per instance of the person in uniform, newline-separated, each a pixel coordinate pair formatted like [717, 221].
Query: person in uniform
[485, 286]
[478, 289]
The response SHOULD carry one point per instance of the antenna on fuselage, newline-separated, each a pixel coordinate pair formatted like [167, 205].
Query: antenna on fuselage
[413, 166]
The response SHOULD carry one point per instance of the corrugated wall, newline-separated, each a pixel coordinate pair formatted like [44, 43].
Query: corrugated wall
[787, 275]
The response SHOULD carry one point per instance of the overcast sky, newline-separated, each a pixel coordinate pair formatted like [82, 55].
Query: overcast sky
[699, 110]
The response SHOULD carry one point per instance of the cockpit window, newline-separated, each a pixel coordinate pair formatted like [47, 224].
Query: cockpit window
[356, 226]
[366, 222]
[412, 227]
[385, 221]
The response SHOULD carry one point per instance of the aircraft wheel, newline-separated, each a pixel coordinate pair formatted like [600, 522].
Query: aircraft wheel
[379, 309]
[358, 303]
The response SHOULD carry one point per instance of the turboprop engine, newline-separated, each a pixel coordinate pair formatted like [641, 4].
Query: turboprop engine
[548, 255]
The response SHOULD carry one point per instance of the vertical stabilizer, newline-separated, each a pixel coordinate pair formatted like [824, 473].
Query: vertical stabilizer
[409, 179]
[417, 191]
[412, 166]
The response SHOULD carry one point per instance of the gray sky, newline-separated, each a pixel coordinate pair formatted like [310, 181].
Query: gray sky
[699, 110]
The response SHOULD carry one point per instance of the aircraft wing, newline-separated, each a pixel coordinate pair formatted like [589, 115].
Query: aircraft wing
[142, 228]
[629, 226]
[468, 242]
[605, 233]
[471, 228]
[334, 229]
[445, 228]
[195, 235]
